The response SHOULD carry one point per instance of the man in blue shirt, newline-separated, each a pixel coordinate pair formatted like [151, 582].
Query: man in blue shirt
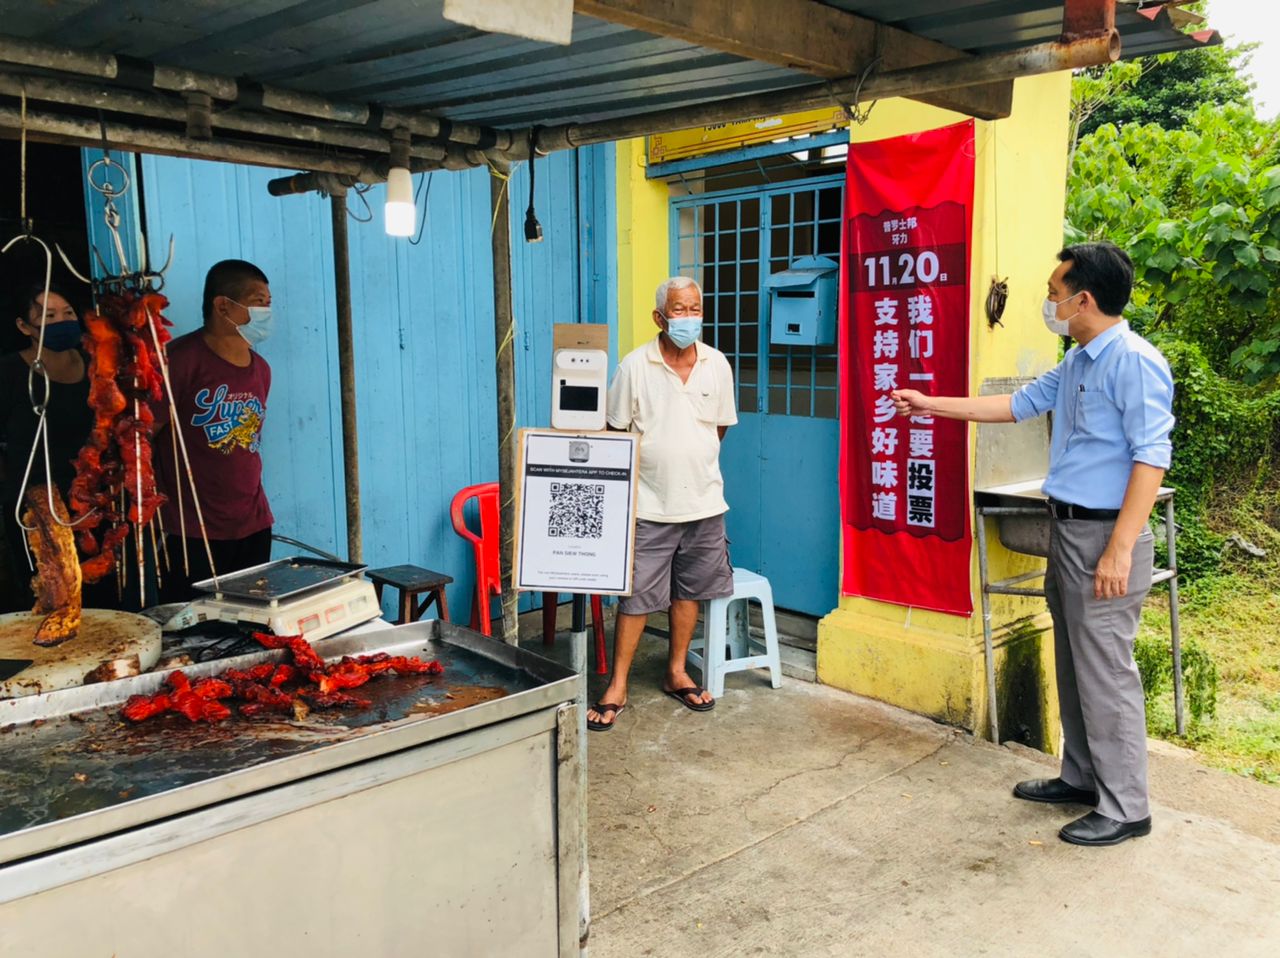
[1111, 398]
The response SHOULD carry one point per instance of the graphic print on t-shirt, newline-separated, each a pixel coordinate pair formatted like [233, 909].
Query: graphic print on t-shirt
[229, 420]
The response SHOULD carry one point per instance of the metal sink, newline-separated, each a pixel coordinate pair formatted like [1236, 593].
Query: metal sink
[1028, 534]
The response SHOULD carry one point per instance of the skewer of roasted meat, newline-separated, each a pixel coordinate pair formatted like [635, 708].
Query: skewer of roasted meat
[124, 379]
[57, 580]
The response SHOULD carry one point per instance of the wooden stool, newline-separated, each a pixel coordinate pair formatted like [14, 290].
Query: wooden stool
[412, 581]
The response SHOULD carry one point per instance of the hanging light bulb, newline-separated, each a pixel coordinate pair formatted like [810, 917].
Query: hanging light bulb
[400, 212]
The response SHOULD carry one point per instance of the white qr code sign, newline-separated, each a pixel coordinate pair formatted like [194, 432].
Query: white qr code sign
[576, 512]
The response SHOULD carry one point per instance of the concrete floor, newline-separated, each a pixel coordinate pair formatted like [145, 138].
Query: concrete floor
[806, 821]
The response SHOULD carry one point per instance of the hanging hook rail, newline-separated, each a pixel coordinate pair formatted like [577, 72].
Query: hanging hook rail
[37, 370]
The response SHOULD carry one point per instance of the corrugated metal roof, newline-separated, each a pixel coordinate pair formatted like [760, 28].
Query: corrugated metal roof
[404, 53]
[990, 26]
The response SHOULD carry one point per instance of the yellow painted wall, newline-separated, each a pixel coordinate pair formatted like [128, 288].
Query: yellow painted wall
[644, 251]
[926, 661]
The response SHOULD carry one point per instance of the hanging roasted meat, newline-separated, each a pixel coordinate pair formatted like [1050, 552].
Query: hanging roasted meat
[124, 379]
[57, 579]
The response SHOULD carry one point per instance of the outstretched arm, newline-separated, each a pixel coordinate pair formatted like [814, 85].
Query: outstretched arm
[910, 402]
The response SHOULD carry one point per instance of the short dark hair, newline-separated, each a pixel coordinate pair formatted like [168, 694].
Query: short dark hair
[1102, 269]
[28, 301]
[229, 278]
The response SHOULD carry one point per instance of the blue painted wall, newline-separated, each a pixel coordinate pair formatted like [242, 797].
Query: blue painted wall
[424, 341]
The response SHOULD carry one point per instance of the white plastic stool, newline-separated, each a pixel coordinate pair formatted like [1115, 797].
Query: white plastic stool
[726, 623]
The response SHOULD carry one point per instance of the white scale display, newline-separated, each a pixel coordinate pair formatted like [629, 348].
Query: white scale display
[335, 599]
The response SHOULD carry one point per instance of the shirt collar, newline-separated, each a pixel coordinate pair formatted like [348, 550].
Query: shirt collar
[1105, 339]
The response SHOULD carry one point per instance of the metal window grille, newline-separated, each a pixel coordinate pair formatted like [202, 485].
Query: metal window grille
[731, 242]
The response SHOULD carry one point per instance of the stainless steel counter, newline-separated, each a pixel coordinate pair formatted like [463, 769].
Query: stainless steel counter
[103, 817]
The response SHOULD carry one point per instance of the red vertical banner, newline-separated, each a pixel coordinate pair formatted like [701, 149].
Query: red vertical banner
[904, 324]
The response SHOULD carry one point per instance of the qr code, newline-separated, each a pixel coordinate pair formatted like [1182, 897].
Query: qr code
[577, 511]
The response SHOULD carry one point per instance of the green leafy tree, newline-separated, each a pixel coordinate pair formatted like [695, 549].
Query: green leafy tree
[1167, 90]
[1198, 209]
[1093, 89]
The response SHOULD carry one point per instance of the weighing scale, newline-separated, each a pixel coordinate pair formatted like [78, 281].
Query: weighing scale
[314, 598]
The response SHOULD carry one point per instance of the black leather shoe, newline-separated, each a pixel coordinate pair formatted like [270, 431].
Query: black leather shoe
[1095, 829]
[1054, 791]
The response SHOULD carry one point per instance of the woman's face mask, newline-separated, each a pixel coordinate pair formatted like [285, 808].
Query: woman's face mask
[59, 337]
[61, 328]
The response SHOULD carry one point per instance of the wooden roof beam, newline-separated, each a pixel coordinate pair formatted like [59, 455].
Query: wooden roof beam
[803, 35]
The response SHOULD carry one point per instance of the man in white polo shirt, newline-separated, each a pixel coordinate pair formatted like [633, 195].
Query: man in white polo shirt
[677, 393]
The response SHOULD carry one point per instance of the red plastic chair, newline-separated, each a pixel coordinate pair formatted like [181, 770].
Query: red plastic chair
[488, 570]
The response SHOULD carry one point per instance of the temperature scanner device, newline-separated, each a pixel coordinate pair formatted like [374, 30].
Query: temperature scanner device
[580, 379]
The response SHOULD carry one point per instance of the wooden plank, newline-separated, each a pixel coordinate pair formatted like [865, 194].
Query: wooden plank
[802, 35]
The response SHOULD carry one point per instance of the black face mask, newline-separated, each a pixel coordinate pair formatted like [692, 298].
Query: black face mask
[59, 337]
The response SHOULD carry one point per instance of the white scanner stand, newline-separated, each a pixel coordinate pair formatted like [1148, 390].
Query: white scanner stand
[579, 381]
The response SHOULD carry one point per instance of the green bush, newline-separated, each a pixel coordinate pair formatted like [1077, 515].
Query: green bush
[1225, 447]
[1199, 675]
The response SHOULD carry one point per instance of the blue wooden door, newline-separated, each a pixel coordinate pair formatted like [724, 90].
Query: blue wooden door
[781, 461]
[424, 334]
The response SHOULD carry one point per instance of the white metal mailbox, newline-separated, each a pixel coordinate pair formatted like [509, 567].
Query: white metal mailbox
[803, 302]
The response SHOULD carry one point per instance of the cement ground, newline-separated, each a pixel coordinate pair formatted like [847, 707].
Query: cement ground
[805, 821]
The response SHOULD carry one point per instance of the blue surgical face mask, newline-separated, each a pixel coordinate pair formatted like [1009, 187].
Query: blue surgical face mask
[59, 337]
[684, 332]
[258, 327]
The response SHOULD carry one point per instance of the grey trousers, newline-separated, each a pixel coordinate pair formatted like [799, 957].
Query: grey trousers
[1099, 690]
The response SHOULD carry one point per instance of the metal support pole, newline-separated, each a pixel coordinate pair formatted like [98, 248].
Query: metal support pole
[141, 105]
[505, 370]
[571, 797]
[141, 73]
[578, 639]
[1171, 537]
[579, 642]
[993, 720]
[346, 373]
[82, 131]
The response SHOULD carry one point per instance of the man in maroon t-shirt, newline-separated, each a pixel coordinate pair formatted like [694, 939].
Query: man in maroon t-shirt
[220, 387]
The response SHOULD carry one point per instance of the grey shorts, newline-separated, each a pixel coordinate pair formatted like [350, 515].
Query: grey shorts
[678, 560]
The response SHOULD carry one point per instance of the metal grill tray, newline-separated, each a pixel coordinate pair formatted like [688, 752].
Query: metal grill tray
[280, 579]
[74, 770]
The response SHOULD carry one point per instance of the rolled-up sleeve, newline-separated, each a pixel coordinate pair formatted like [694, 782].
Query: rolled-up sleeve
[1036, 398]
[619, 402]
[1144, 394]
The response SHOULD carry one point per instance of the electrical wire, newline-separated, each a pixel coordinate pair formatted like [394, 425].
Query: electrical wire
[422, 224]
[532, 228]
[360, 189]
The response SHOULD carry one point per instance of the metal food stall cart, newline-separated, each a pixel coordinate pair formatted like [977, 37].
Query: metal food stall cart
[443, 820]
[408, 829]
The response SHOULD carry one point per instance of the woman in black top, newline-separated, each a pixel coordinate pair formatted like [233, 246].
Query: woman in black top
[68, 420]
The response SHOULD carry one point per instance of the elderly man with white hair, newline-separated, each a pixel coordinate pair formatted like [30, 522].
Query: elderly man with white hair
[677, 393]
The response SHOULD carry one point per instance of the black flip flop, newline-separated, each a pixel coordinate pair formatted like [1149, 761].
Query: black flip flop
[681, 696]
[604, 707]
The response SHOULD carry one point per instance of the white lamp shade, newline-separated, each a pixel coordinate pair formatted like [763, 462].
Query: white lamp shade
[400, 212]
